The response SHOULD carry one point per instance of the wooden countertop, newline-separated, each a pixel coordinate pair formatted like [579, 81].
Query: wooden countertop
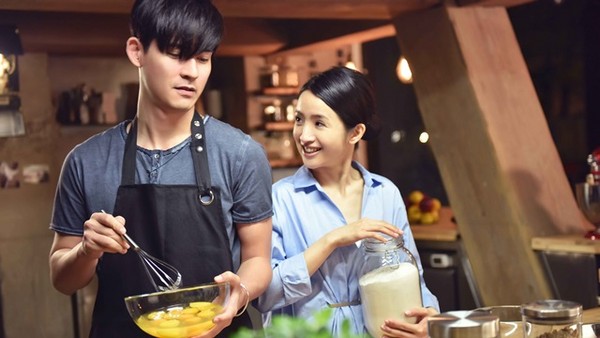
[591, 315]
[566, 243]
[443, 230]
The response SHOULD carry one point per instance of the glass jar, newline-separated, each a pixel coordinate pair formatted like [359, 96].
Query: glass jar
[389, 283]
[552, 319]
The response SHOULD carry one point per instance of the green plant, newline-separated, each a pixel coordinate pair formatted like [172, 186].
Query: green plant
[284, 326]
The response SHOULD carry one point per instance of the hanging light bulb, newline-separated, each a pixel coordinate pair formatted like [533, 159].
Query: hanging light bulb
[350, 65]
[403, 71]
[11, 118]
[7, 67]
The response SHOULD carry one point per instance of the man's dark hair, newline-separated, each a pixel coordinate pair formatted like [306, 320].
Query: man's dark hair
[190, 26]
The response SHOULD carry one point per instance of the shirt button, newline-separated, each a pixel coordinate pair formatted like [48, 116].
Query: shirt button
[156, 156]
[199, 149]
[198, 136]
[197, 123]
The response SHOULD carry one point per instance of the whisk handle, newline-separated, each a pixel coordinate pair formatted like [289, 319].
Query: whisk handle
[131, 242]
[127, 238]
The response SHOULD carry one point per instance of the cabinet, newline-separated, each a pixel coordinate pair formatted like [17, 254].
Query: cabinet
[572, 265]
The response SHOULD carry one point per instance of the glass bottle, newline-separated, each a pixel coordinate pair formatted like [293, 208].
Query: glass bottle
[552, 319]
[389, 283]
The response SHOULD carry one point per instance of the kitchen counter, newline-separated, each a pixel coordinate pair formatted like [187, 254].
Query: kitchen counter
[591, 315]
[566, 243]
[444, 230]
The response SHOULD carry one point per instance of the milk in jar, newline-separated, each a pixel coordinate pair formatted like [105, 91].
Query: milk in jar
[389, 285]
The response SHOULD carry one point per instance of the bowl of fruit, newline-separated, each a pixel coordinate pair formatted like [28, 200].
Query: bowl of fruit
[179, 313]
[422, 208]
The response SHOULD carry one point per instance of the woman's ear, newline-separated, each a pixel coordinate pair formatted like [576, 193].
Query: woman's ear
[135, 51]
[357, 133]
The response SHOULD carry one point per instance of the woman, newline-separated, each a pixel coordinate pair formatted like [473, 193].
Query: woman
[329, 205]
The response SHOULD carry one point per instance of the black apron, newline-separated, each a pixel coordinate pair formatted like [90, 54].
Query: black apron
[169, 222]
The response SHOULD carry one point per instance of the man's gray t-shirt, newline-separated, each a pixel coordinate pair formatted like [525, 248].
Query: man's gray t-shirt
[238, 165]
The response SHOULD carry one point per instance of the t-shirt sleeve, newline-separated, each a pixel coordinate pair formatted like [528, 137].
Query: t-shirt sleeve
[252, 201]
[68, 213]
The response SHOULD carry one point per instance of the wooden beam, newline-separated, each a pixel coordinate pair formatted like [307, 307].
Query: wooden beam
[497, 159]
[96, 34]
[338, 41]
[322, 9]
[492, 3]
[299, 9]
[305, 9]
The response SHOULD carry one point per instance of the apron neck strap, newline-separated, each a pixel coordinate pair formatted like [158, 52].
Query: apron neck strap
[199, 156]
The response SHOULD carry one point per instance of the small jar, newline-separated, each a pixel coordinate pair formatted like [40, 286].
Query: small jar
[269, 76]
[389, 283]
[552, 319]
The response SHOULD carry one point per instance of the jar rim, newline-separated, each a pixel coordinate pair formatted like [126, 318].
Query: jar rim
[551, 309]
[375, 245]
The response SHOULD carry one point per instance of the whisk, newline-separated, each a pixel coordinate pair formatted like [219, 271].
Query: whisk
[164, 273]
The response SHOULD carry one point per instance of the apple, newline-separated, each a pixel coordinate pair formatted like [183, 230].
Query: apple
[427, 205]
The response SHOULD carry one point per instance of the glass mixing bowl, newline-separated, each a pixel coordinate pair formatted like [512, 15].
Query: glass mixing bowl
[179, 313]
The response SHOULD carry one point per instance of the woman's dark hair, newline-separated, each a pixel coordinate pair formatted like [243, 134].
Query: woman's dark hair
[350, 94]
[191, 26]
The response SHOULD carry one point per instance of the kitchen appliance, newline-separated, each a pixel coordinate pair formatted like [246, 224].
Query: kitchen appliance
[588, 194]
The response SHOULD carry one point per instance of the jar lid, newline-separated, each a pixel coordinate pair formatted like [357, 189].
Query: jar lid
[375, 245]
[551, 309]
[463, 324]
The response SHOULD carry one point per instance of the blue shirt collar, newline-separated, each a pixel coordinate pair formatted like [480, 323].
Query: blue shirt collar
[304, 179]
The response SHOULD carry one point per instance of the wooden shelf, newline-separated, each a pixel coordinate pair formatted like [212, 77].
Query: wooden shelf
[566, 243]
[279, 126]
[285, 91]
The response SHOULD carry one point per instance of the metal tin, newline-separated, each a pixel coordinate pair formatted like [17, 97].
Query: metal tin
[551, 310]
[552, 318]
[511, 324]
[464, 324]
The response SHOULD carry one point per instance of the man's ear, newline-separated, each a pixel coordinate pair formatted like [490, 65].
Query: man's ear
[357, 133]
[135, 51]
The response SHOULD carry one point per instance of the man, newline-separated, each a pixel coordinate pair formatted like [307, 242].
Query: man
[189, 189]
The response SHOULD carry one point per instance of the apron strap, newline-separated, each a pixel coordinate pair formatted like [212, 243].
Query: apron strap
[199, 156]
[129, 156]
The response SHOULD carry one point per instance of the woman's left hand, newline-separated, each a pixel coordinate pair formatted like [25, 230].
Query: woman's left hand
[396, 328]
[237, 299]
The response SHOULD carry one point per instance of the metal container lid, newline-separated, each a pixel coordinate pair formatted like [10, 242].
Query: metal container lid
[551, 309]
[506, 313]
[464, 324]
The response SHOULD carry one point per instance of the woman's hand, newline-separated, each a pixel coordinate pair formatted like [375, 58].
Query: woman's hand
[239, 299]
[396, 328]
[361, 229]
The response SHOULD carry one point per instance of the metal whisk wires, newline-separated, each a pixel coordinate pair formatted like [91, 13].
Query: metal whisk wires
[163, 272]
